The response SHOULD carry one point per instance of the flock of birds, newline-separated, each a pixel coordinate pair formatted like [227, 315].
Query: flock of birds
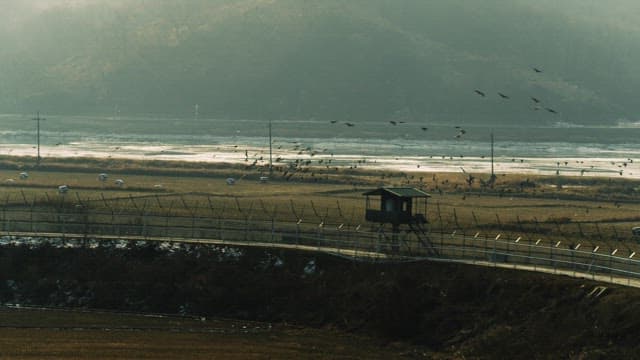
[458, 135]
[305, 165]
[537, 103]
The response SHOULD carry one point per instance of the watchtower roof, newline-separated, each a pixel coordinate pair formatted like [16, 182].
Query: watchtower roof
[401, 192]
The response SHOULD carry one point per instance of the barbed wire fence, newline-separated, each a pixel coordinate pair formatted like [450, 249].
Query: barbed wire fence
[454, 233]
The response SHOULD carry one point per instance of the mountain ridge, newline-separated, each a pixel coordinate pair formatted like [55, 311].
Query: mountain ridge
[346, 60]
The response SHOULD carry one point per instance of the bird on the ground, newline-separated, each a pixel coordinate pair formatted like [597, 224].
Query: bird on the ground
[393, 122]
[334, 121]
[349, 124]
[424, 128]
[536, 70]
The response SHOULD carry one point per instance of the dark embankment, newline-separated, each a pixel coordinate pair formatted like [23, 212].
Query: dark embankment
[451, 310]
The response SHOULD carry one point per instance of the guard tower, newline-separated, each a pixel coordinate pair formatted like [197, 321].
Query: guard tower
[397, 207]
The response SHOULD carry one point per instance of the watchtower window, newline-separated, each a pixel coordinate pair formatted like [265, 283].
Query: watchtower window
[389, 205]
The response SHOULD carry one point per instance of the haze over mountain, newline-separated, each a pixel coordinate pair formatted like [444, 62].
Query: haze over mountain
[351, 60]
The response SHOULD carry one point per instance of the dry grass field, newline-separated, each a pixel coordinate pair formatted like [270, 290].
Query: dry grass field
[572, 209]
[56, 334]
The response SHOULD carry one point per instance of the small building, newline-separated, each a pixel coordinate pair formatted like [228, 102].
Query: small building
[397, 206]
[401, 206]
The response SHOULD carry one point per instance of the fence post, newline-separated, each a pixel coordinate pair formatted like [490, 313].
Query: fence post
[455, 219]
[116, 225]
[475, 219]
[580, 229]
[273, 225]
[441, 230]
[85, 217]
[615, 233]
[4, 214]
[378, 240]
[167, 216]
[551, 262]
[573, 261]
[193, 226]
[464, 244]
[246, 221]
[64, 229]
[32, 223]
[611, 264]
[598, 230]
[508, 247]
[220, 232]
[495, 243]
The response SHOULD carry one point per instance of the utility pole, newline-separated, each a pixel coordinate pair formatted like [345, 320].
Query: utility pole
[270, 152]
[492, 173]
[37, 119]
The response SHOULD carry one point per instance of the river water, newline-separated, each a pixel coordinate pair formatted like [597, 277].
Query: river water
[410, 146]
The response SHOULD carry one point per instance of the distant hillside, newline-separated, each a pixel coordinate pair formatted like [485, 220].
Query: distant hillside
[352, 59]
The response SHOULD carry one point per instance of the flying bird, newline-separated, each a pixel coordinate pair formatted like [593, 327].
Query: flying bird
[536, 70]
[393, 122]
[424, 128]
[535, 100]
[334, 121]
[503, 96]
[349, 124]
[551, 110]
[479, 92]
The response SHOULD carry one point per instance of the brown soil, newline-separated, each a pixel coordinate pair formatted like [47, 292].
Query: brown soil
[68, 335]
[433, 309]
